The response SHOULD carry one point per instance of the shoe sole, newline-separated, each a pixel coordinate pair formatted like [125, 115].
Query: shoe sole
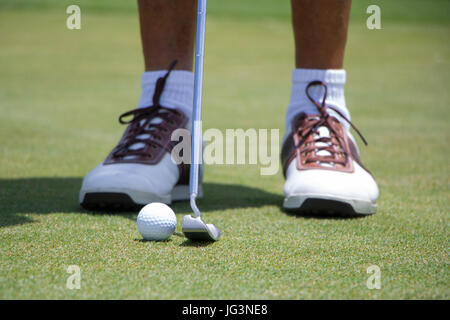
[325, 205]
[130, 200]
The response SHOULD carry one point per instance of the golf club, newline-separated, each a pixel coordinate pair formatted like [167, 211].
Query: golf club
[193, 227]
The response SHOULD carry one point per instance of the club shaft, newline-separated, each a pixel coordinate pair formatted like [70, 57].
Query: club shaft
[196, 143]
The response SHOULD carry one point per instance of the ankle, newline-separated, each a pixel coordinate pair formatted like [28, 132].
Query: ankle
[299, 102]
[178, 92]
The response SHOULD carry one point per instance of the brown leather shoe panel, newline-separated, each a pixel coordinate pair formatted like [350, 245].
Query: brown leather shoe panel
[155, 146]
[154, 137]
[311, 150]
[305, 152]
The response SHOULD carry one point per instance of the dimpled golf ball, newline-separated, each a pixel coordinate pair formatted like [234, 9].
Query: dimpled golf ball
[156, 221]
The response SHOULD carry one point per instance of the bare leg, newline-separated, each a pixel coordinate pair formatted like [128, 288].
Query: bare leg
[320, 30]
[167, 33]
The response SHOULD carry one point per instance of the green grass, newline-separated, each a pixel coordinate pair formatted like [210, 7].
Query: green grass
[411, 11]
[61, 92]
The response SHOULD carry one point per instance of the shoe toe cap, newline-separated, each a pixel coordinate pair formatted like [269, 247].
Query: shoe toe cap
[125, 177]
[358, 184]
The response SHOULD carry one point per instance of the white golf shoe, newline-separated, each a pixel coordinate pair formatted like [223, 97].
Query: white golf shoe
[140, 170]
[323, 171]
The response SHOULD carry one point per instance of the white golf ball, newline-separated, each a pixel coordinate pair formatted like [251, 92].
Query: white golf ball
[156, 221]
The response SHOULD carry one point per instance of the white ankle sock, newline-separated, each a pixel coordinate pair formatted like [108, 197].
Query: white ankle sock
[178, 92]
[335, 81]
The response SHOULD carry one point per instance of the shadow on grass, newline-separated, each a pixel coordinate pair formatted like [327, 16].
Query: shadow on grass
[196, 244]
[325, 216]
[153, 241]
[60, 194]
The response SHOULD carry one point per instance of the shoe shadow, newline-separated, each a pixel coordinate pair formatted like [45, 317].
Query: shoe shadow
[221, 197]
[196, 244]
[21, 198]
[324, 216]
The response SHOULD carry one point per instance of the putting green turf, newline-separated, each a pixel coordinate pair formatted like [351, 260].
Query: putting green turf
[61, 92]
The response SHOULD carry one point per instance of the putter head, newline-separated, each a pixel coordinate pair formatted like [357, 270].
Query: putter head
[195, 229]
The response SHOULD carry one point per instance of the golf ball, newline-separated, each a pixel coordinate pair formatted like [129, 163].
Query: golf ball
[156, 221]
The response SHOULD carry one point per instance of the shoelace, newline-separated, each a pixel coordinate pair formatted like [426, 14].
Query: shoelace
[141, 129]
[333, 144]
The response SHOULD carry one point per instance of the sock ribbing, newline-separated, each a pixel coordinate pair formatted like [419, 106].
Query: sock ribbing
[178, 92]
[299, 102]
